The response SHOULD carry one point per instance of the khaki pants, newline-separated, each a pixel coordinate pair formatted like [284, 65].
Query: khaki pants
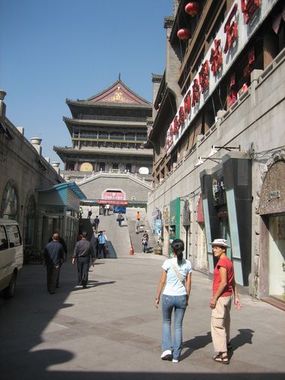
[220, 324]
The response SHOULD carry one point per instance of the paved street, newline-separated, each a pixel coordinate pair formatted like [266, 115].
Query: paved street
[112, 330]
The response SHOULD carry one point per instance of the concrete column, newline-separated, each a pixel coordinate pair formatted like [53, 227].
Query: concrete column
[254, 75]
[55, 165]
[36, 142]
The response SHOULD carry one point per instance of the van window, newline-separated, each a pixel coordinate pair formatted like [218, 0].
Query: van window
[13, 235]
[3, 239]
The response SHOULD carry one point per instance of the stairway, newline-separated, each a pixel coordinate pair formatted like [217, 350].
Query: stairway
[120, 238]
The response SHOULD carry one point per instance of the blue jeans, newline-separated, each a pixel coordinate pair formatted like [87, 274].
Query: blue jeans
[178, 304]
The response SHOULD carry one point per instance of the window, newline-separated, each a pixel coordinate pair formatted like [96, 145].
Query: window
[13, 235]
[3, 239]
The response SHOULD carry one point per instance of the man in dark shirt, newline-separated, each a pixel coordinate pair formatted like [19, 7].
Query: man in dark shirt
[96, 223]
[82, 255]
[62, 242]
[54, 256]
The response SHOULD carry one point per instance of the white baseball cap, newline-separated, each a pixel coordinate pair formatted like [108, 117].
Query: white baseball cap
[220, 243]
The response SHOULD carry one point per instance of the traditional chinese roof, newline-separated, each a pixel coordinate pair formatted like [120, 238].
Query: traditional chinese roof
[118, 95]
[91, 124]
[64, 152]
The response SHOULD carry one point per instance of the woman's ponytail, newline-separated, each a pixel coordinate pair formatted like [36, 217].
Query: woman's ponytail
[178, 248]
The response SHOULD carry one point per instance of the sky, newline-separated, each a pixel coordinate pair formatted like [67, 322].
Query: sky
[51, 50]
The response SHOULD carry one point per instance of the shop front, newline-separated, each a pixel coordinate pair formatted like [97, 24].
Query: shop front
[59, 210]
[226, 194]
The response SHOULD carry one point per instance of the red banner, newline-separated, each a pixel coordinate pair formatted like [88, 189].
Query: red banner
[112, 202]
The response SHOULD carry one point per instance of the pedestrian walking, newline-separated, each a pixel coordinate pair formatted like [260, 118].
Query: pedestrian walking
[89, 213]
[145, 241]
[223, 289]
[96, 223]
[175, 286]
[120, 219]
[54, 256]
[82, 256]
[64, 246]
[138, 222]
[94, 243]
[102, 240]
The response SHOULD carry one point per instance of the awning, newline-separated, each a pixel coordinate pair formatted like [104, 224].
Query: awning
[66, 194]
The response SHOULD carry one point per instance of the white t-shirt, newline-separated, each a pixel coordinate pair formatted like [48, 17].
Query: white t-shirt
[173, 286]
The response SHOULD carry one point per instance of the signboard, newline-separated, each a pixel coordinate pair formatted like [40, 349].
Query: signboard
[241, 22]
[113, 195]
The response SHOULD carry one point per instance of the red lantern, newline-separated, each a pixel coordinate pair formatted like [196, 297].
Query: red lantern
[183, 34]
[192, 8]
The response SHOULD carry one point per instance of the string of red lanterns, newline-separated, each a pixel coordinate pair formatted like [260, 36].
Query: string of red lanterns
[191, 8]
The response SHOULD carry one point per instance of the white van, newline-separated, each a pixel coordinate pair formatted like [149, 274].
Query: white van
[11, 256]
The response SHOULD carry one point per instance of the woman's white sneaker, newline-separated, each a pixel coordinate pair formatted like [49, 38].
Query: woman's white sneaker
[166, 355]
[175, 360]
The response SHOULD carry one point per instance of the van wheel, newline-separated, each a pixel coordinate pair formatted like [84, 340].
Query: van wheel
[9, 292]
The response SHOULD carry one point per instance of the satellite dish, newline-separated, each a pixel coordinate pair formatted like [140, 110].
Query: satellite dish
[143, 170]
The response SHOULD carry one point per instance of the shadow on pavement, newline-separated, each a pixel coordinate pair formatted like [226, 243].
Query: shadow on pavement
[196, 343]
[112, 254]
[244, 337]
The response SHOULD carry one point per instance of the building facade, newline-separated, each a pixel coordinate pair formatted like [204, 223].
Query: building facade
[109, 133]
[33, 192]
[219, 140]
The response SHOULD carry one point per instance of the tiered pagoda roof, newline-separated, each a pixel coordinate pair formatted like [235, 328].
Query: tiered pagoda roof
[118, 95]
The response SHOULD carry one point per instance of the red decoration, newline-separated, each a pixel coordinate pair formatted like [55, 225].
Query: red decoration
[195, 92]
[204, 77]
[187, 103]
[216, 58]
[231, 98]
[174, 127]
[231, 30]
[183, 34]
[248, 8]
[181, 120]
[192, 8]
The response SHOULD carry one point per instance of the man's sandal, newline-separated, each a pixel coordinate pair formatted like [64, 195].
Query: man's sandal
[221, 358]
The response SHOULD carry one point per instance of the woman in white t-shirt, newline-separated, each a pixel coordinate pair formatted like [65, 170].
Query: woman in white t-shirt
[175, 286]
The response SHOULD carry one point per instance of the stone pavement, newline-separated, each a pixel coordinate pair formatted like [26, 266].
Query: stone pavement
[111, 330]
